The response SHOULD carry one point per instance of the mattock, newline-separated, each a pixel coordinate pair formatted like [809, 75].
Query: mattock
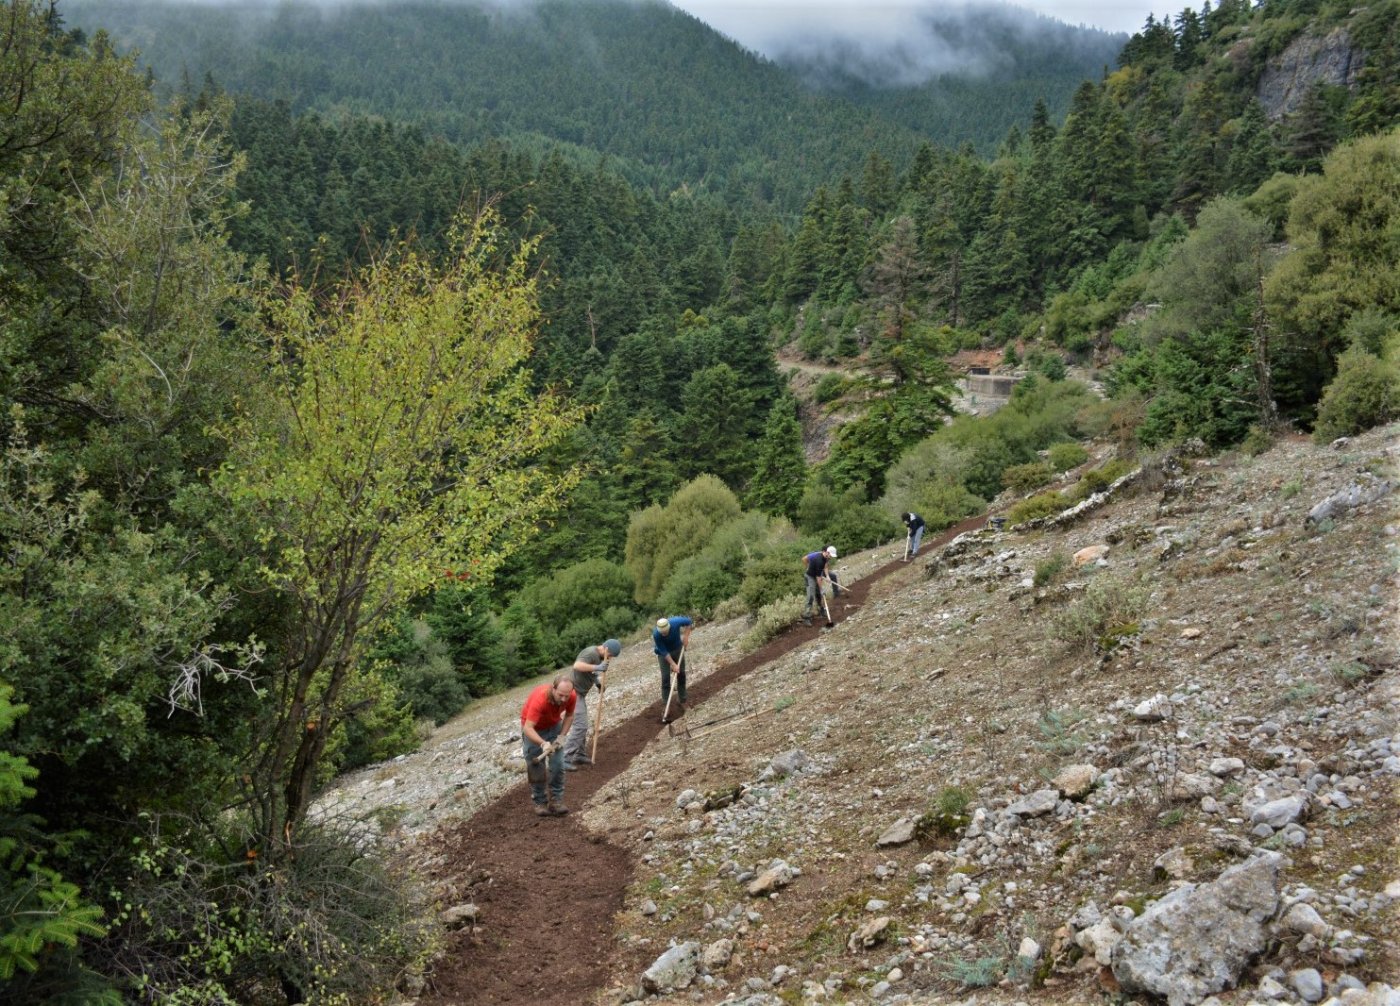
[671, 692]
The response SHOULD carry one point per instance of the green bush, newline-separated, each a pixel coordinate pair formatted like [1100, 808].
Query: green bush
[462, 620]
[697, 585]
[1051, 365]
[946, 816]
[861, 527]
[1035, 507]
[660, 537]
[770, 577]
[829, 388]
[1256, 442]
[929, 479]
[844, 520]
[585, 589]
[331, 921]
[1106, 611]
[944, 504]
[418, 664]
[1373, 331]
[1024, 478]
[1066, 455]
[819, 506]
[522, 643]
[772, 619]
[379, 726]
[714, 574]
[1049, 568]
[1096, 480]
[1365, 393]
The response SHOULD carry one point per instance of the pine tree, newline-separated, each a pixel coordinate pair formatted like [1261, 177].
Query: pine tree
[780, 470]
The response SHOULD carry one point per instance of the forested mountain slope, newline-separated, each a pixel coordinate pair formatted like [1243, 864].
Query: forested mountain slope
[969, 75]
[261, 525]
[668, 100]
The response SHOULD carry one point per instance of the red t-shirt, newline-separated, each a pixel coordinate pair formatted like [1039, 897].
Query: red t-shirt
[544, 713]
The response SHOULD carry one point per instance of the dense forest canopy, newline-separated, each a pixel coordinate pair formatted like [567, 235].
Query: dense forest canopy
[668, 100]
[259, 348]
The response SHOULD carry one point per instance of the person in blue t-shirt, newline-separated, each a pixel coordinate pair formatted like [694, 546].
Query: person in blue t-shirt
[814, 571]
[668, 643]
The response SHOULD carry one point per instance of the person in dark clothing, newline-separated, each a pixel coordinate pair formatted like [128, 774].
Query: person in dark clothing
[814, 571]
[915, 524]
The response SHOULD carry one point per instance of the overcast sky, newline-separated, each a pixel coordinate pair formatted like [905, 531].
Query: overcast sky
[758, 24]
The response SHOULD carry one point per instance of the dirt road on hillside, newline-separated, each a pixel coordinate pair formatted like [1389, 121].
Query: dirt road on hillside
[546, 888]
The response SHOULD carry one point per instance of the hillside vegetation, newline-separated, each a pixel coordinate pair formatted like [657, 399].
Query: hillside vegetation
[317, 427]
[1000, 765]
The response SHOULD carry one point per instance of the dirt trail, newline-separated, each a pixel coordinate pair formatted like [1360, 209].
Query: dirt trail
[545, 887]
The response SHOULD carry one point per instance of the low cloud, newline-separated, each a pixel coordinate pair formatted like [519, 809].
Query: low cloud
[894, 44]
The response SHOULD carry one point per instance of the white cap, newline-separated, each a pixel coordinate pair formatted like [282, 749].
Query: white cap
[663, 624]
[831, 551]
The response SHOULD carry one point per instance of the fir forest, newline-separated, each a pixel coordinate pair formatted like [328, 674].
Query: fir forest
[361, 362]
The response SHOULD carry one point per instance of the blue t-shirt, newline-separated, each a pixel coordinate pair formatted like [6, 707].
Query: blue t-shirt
[671, 642]
[816, 563]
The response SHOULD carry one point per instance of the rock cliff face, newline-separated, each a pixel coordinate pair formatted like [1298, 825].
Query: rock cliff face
[1310, 59]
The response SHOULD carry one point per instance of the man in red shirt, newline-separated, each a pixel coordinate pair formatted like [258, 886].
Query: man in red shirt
[548, 713]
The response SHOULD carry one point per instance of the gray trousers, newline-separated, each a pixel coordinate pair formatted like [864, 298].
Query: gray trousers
[553, 766]
[576, 744]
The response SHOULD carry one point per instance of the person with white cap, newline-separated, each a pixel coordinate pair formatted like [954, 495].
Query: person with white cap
[668, 643]
[814, 571]
[590, 668]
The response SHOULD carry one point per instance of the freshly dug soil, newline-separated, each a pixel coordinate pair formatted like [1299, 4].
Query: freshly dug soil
[546, 889]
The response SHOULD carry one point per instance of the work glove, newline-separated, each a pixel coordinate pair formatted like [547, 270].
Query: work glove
[602, 668]
[548, 748]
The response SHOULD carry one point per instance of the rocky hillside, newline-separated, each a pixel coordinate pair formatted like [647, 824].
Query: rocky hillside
[1149, 750]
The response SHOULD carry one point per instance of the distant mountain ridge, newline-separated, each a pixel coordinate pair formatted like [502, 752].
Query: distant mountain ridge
[669, 99]
[967, 76]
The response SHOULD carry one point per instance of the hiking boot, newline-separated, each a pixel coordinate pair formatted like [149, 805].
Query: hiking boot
[806, 619]
[557, 808]
[541, 810]
[583, 760]
[571, 766]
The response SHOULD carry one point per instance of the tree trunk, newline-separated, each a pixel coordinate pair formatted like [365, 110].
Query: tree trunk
[1263, 369]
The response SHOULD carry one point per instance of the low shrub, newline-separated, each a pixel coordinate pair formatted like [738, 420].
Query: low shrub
[1058, 734]
[946, 816]
[1024, 478]
[1098, 479]
[1049, 568]
[772, 619]
[1107, 608]
[697, 585]
[770, 577]
[1035, 507]
[859, 527]
[730, 607]
[1257, 441]
[829, 388]
[330, 923]
[1365, 393]
[1066, 455]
